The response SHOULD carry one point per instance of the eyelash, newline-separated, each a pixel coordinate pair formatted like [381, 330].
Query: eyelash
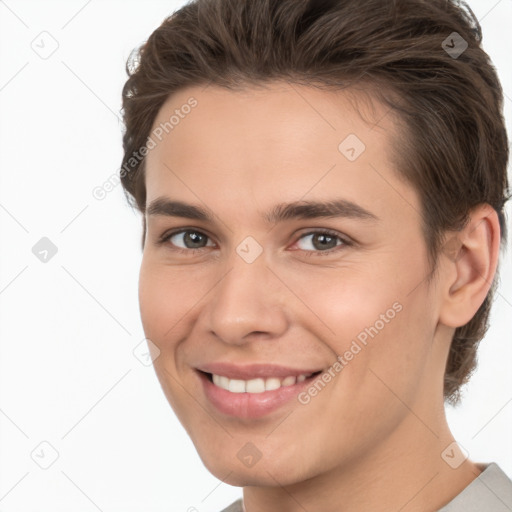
[190, 252]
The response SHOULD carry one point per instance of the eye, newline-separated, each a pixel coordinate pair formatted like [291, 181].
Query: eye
[187, 240]
[321, 242]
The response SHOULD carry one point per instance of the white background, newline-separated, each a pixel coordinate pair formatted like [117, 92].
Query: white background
[68, 375]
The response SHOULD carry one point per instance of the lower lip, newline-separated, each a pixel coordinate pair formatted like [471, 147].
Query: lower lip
[251, 405]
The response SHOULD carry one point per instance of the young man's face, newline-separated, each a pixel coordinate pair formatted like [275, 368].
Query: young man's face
[254, 293]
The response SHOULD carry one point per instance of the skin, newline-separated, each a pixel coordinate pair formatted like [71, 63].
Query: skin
[372, 439]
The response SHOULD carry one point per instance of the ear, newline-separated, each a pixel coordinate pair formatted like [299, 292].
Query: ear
[470, 260]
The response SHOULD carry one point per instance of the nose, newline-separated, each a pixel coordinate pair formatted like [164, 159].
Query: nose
[247, 303]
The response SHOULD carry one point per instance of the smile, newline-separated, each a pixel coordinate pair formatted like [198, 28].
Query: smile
[258, 385]
[252, 391]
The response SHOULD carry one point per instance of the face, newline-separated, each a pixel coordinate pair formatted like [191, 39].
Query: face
[283, 281]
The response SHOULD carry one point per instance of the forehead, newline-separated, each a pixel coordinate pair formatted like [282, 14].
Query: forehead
[268, 141]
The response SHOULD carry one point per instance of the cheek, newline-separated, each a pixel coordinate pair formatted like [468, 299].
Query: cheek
[166, 298]
[375, 317]
[166, 295]
[340, 304]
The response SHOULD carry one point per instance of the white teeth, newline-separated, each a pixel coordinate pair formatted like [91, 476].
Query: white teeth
[223, 382]
[255, 386]
[272, 383]
[288, 381]
[236, 386]
[258, 385]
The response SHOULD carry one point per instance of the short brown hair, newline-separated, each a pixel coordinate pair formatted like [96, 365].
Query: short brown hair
[453, 150]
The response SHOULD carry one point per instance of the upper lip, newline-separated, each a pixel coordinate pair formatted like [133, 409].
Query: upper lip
[254, 371]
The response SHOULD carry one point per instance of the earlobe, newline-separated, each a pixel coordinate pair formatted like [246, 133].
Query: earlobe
[471, 258]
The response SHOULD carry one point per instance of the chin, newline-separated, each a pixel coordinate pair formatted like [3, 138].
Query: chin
[239, 476]
[269, 471]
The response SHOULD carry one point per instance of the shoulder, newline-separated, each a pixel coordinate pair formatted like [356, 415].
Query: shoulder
[234, 507]
[491, 490]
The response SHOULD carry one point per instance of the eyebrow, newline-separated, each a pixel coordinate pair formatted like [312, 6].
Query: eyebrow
[279, 213]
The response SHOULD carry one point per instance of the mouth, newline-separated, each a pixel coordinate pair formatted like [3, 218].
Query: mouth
[258, 384]
[258, 394]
